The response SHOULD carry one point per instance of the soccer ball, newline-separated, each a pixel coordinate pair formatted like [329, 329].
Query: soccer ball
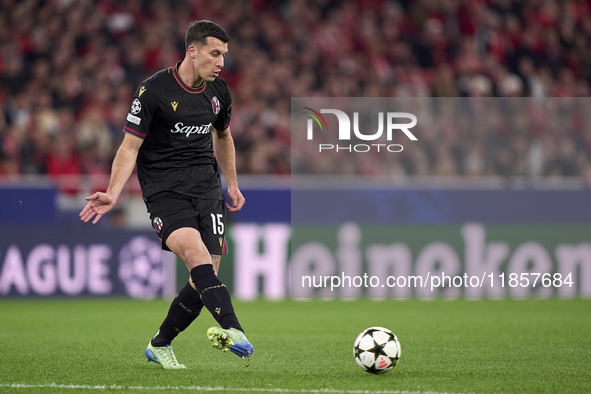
[376, 350]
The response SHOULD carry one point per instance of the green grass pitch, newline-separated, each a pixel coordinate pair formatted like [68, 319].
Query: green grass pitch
[448, 346]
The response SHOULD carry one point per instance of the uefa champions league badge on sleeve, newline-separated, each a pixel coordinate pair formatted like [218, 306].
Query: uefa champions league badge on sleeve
[136, 107]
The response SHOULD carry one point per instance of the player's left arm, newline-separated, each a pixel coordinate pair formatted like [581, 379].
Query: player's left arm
[225, 152]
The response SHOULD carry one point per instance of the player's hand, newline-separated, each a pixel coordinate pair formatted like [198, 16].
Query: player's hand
[237, 200]
[98, 205]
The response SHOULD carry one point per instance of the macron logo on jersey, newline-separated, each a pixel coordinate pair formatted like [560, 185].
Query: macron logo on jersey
[188, 130]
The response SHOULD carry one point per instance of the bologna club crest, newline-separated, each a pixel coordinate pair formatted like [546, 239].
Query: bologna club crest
[157, 224]
[215, 105]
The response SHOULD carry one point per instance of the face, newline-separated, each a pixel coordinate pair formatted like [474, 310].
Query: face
[208, 59]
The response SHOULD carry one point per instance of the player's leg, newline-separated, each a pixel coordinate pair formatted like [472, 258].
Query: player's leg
[185, 308]
[232, 339]
[188, 245]
[214, 294]
[212, 215]
[168, 214]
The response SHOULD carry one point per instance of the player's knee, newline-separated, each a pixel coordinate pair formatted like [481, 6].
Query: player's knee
[194, 257]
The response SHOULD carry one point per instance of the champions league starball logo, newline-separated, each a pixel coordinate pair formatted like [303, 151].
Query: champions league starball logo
[345, 127]
[141, 268]
[136, 107]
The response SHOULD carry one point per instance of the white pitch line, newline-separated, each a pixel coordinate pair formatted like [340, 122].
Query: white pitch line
[206, 388]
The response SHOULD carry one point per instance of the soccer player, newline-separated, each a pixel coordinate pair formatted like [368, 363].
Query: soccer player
[178, 118]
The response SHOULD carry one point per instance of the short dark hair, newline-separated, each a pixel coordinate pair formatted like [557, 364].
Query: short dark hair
[198, 32]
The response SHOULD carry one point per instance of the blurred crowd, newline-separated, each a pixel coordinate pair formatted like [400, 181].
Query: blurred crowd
[69, 68]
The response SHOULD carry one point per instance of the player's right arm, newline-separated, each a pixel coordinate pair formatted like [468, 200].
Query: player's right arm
[136, 129]
[100, 203]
